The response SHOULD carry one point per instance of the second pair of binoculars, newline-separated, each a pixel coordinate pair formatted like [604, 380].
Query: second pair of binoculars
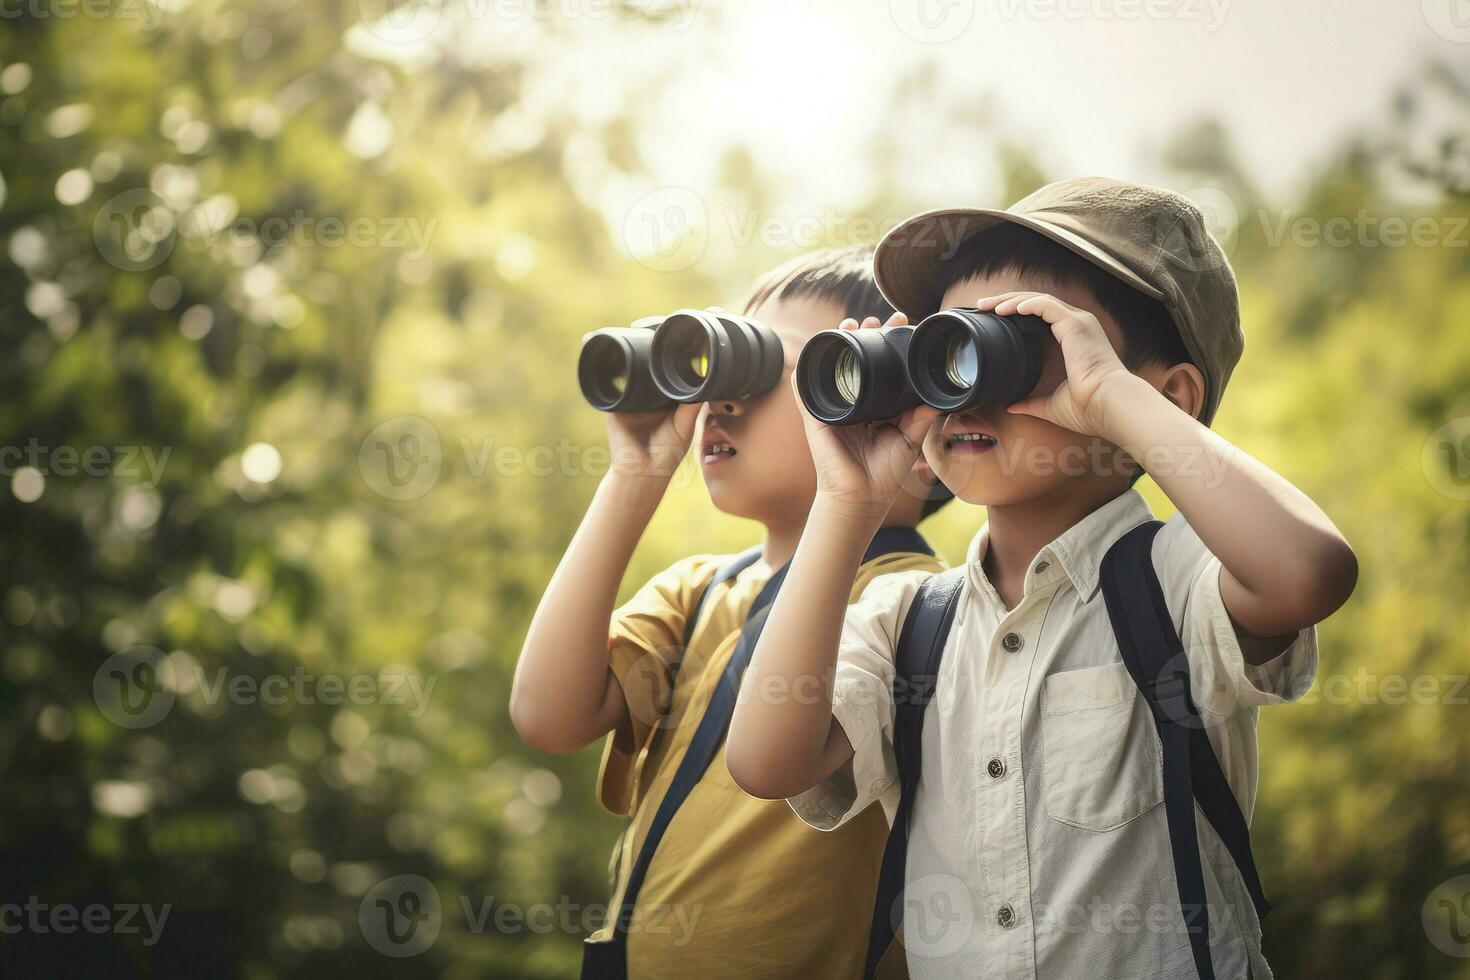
[954, 360]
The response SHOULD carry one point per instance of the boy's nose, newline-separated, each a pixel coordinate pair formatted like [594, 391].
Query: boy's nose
[730, 408]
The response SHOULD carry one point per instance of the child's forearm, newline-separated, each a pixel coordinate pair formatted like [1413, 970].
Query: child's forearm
[1286, 566]
[783, 739]
[565, 695]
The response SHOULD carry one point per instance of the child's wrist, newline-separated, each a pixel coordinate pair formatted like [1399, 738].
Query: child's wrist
[857, 516]
[1121, 403]
[641, 491]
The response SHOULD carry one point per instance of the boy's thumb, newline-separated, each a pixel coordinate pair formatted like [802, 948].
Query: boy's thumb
[1031, 406]
[915, 423]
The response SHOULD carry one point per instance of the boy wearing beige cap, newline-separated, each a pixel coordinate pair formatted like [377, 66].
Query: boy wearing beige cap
[1082, 692]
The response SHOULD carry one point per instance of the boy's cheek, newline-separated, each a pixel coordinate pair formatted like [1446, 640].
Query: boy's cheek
[1032, 458]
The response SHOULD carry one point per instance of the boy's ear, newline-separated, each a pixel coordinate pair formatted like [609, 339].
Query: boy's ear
[1184, 385]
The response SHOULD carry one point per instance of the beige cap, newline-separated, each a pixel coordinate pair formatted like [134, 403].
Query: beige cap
[1152, 239]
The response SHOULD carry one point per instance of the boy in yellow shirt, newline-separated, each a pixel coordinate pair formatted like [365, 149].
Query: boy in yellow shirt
[711, 882]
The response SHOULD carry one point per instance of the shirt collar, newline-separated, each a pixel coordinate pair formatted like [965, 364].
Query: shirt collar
[1076, 554]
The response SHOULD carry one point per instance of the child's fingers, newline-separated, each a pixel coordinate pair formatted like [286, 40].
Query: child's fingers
[899, 319]
[921, 413]
[848, 324]
[992, 302]
[1011, 302]
[685, 418]
[1038, 406]
[915, 423]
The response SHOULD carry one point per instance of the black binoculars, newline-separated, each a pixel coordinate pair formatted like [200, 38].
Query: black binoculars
[953, 360]
[688, 356]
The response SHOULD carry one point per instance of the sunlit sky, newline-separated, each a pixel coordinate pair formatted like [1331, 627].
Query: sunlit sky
[1097, 92]
[1088, 86]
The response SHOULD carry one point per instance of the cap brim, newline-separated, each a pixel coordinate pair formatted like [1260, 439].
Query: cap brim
[908, 260]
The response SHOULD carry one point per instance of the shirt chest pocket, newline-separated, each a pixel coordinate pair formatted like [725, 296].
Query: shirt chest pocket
[1100, 755]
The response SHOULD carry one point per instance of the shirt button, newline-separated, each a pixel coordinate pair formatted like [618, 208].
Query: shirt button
[996, 768]
[1012, 642]
[1006, 916]
[1042, 566]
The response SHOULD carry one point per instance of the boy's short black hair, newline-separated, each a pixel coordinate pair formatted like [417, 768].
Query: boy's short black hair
[844, 277]
[1149, 333]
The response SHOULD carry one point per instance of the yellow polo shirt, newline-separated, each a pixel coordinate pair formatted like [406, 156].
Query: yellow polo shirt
[738, 886]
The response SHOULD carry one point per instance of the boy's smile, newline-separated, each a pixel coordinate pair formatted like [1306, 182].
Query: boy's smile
[715, 446]
[964, 434]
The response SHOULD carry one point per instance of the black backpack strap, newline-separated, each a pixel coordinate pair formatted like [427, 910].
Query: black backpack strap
[723, 574]
[916, 673]
[1156, 661]
[609, 960]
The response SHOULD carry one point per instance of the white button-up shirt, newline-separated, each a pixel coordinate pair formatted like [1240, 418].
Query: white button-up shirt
[1038, 845]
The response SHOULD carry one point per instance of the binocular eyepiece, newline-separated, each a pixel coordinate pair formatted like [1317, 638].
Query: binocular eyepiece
[953, 360]
[688, 356]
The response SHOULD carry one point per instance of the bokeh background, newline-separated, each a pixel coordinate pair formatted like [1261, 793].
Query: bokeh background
[290, 295]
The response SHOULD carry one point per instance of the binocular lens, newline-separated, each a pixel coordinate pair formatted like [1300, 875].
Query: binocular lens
[962, 358]
[690, 356]
[613, 370]
[960, 361]
[707, 355]
[848, 376]
[685, 353]
[955, 359]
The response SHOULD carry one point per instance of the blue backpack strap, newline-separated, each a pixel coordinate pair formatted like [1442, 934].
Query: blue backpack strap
[1156, 661]
[609, 960]
[723, 574]
[916, 673]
